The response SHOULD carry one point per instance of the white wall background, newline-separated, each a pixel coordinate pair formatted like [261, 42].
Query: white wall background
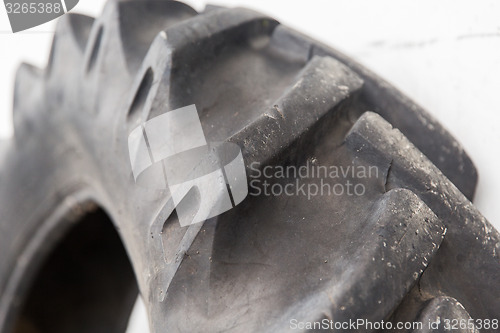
[443, 54]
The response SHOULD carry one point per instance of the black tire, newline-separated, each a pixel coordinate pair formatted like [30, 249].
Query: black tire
[412, 247]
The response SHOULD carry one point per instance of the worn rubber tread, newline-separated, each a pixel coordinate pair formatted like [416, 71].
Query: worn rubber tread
[466, 273]
[415, 123]
[285, 100]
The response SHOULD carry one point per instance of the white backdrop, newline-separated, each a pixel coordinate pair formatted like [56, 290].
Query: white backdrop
[445, 55]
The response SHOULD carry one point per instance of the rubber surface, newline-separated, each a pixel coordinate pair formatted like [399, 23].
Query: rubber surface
[412, 242]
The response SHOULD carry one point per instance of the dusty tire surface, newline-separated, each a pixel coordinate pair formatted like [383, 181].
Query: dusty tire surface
[79, 238]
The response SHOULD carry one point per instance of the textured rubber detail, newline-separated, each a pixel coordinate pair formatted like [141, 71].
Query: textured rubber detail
[468, 263]
[68, 45]
[441, 309]
[399, 224]
[403, 248]
[65, 62]
[140, 22]
[284, 123]
[416, 124]
[185, 74]
[286, 120]
[387, 241]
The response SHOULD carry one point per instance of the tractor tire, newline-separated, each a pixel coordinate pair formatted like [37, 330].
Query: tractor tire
[79, 239]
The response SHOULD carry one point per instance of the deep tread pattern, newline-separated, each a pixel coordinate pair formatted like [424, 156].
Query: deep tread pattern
[68, 47]
[282, 124]
[72, 32]
[415, 123]
[401, 224]
[473, 267]
[66, 58]
[117, 45]
[174, 54]
[218, 269]
[141, 21]
[285, 100]
[285, 120]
